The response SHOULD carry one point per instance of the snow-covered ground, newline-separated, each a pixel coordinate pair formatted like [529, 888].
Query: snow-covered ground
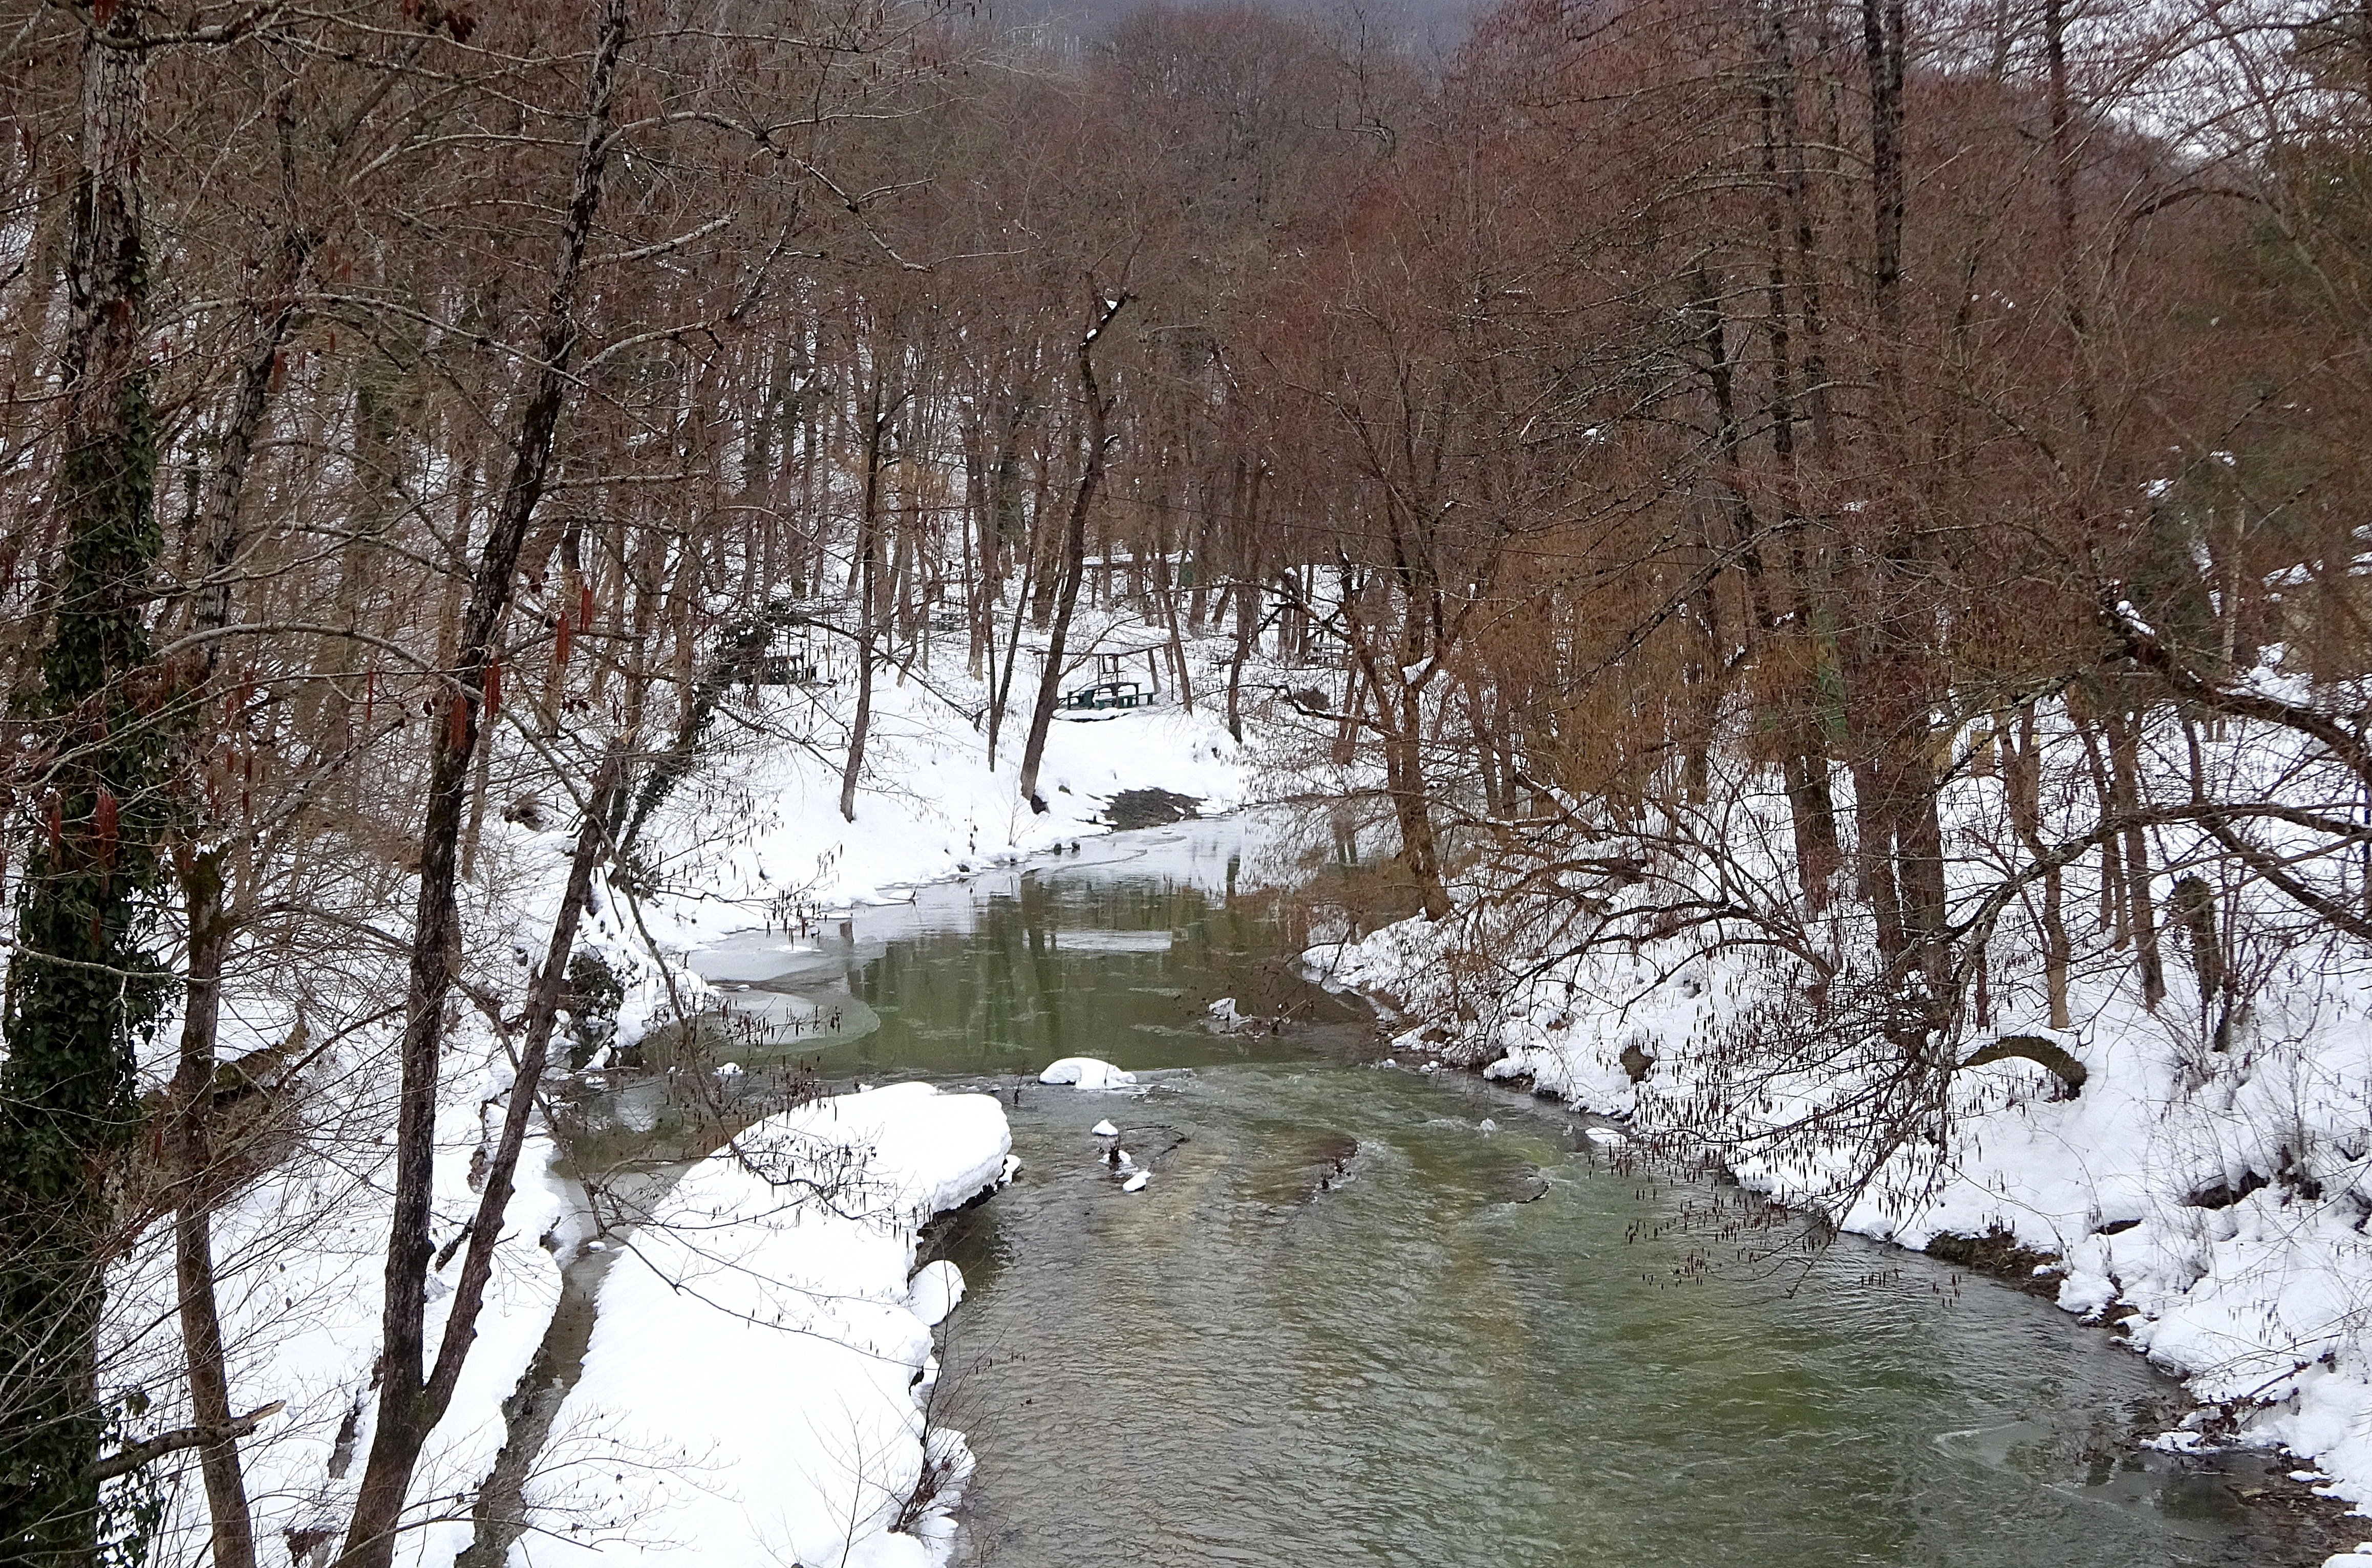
[758, 1386]
[2210, 1202]
[764, 1331]
[929, 805]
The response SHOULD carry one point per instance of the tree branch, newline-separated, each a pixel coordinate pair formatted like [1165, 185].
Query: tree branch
[123, 1461]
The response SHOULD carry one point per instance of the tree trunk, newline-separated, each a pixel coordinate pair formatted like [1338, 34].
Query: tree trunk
[79, 983]
[978, 555]
[1411, 801]
[1073, 554]
[1919, 850]
[1002, 684]
[2023, 779]
[483, 769]
[2124, 749]
[1045, 549]
[1165, 591]
[411, 1403]
[1248, 609]
[2112, 916]
[1883, 49]
[868, 573]
[233, 1530]
[1874, 858]
[200, 872]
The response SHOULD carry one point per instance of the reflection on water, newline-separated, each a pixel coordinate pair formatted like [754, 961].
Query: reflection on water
[1115, 952]
[1344, 1324]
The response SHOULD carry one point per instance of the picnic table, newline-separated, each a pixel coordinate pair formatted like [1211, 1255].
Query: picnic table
[1106, 694]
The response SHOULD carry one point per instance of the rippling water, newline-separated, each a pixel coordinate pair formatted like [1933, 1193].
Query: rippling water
[1343, 1324]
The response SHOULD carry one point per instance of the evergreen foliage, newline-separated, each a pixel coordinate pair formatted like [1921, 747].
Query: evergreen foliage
[83, 988]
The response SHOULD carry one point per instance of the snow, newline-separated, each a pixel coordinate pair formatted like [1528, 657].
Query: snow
[756, 1388]
[1085, 1073]
[1113, 941]
[2209, 1199]
[300, 1252]
[935, 1290]
[753, 842]
[929, 807]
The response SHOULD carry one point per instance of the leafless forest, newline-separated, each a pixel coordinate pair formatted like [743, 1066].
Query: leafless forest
[1876, 485]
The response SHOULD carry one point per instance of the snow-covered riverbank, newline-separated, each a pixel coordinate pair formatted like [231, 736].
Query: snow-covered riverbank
[752, 835]
[2204, 1203]
[759, 1382]
[761, 826]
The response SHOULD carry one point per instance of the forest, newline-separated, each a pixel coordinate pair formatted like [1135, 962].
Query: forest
[1856, 509]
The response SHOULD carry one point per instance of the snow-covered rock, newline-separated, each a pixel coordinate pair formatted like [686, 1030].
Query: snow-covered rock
[933, 1292]
[1085, 1073]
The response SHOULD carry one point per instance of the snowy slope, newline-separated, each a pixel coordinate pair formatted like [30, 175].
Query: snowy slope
[761, 823]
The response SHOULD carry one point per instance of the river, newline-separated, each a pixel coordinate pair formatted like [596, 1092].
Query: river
[1346, 1322]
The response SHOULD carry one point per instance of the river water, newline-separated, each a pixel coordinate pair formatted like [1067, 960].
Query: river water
[1346, 1323]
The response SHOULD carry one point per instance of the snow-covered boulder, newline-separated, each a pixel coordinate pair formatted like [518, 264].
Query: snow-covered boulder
[936, 1289]
[1085, 1073]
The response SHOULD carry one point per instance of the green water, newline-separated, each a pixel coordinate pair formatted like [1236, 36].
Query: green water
[1343, 1324]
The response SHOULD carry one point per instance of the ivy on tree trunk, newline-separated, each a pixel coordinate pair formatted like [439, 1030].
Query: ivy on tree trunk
[82, 985]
